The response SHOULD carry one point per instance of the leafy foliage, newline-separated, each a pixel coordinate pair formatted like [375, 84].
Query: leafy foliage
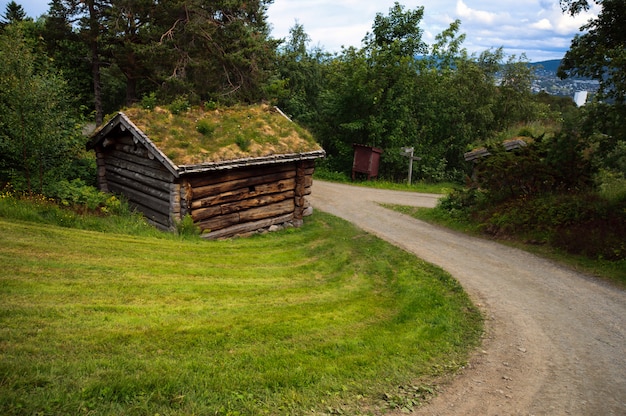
[544, 192]
[39, 137]
[217, 50]
[600, 52]
[544, 165]
[396, 91]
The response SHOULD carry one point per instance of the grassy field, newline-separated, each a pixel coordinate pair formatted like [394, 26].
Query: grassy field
[324, 319]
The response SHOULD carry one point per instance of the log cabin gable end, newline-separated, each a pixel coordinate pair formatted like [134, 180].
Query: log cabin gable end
[121, 125]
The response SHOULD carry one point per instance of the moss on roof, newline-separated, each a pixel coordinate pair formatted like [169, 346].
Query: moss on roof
[201, 136]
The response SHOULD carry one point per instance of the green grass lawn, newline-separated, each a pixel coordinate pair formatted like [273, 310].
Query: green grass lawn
[324, 319]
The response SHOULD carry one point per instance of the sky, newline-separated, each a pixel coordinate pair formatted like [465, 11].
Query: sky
[537, 28]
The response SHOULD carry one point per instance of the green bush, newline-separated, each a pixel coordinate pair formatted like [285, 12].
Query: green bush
[243, 142]
[187, 228]
[205, 127]
[114, 216]
[76, 193]
[461, 203]
[210, 105]
[611, 185]
[545, 165]
[149, 102]
[580, 223]
[179, 105]
[80, 197]
[598, 238]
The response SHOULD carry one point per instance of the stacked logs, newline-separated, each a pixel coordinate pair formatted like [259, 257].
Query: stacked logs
[242, 200]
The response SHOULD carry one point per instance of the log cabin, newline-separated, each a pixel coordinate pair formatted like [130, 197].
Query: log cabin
[233, 170]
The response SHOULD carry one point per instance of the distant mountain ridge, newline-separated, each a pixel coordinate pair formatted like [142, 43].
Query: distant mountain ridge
[550, 66]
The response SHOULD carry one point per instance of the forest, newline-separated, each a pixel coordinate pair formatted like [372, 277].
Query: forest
[85, 59]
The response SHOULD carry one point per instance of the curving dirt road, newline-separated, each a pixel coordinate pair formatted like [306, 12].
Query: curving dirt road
[555, 341]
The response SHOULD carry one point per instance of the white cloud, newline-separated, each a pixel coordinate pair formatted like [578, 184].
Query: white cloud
[543, 24]
[518, 26]
[479, 16]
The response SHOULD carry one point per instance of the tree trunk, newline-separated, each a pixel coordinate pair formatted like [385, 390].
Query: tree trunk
[131, 90]
[94, 29]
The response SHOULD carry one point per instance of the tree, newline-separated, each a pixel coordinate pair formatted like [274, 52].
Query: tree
[66, 48]
[131, 27]
[218, 50]
[301, 75]
[37, 133]
[14, 13]
[397, 92]
[205, 50]
[88, 16]
[601, 52]
[515, 103]
[577, 6]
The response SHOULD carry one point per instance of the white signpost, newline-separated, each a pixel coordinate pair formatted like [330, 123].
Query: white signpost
[408, 152]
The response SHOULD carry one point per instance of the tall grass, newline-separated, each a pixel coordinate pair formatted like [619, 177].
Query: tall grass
[322, 319]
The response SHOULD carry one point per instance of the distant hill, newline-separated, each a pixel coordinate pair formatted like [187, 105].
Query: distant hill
[549, 66]
[547, 80]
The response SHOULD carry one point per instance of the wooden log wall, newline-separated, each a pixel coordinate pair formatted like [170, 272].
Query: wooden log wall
[224, 203]
[243, 200]
[145, 182]
[304, 183]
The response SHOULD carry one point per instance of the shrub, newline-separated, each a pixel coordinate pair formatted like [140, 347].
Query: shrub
[179, 105]
[243, 142]
[210, 105]
[187, 228]
[611, 185]
[545, 165]
[598, 238]
[461, 203]
[205, 127]
[149, 102]
[80, 197]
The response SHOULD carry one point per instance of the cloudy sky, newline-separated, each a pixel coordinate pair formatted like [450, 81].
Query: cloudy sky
[537, 28]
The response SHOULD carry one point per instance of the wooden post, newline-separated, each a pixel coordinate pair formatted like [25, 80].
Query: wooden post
[408, 151]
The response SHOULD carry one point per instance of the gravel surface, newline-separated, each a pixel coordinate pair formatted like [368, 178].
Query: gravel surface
[555, 340]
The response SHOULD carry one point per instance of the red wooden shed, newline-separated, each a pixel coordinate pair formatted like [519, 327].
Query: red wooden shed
[366, 160]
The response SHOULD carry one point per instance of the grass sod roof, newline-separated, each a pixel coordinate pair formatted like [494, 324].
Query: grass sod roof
[509, 144]
[200, 136]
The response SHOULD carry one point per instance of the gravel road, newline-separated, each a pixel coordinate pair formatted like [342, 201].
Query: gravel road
[555, 340]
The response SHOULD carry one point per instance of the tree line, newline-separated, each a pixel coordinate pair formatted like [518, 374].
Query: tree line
[84, 59]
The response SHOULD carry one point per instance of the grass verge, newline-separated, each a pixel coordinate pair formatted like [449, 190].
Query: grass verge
[325, 319]
[611, 271]
[418, 186]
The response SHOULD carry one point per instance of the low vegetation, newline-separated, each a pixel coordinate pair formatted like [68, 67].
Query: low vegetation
[324, 319]
[192, 135]
[416, 186]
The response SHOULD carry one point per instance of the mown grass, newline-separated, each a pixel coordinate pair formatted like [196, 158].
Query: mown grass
[319, 320]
